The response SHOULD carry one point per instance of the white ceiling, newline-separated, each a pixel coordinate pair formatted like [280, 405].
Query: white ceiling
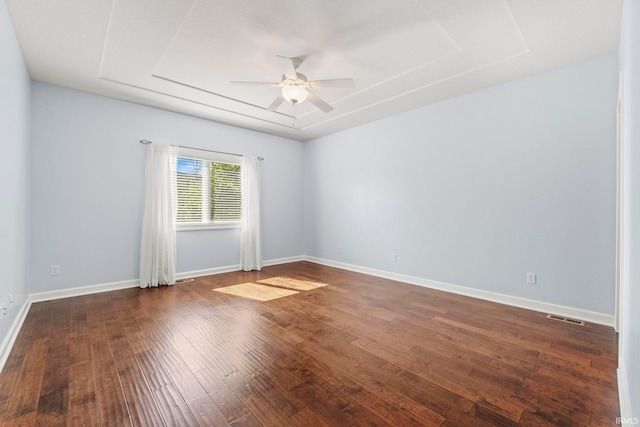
[180, 55]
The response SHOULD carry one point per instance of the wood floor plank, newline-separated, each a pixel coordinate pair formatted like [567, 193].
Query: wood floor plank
[306, 418]
[206, 412]
[248, 420]
[360, 351]
[269, 407]
[334, 407]
[224, 398]
[182, 376]
[83, 407]
[14, 362]
[429, 394]
[173, 408]
[169, 401]
[23, 404]
[110, 399]
[143, 408]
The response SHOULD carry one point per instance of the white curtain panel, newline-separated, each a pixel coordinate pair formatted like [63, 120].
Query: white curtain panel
[250, 237]
[158, 243]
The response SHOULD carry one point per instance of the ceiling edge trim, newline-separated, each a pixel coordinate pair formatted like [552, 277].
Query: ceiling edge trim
[157, 76]
[199, 103]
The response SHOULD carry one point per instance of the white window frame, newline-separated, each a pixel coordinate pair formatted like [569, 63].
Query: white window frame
[212, 156]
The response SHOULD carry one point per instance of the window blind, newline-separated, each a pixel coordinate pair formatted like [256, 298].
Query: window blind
[207, 191]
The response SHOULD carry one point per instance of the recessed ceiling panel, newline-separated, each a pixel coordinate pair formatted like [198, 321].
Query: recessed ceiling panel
[192, 51]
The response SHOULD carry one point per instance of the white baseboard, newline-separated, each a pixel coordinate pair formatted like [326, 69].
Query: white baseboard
[529, 304]
[10, 338]
[230, 268]
[283, 260]
[83, 290]
[207, 272]
[114, 286]
[626, 418]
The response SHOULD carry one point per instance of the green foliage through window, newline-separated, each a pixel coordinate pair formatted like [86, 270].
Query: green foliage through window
[225, 192]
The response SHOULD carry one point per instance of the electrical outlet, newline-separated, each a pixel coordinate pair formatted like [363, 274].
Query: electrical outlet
[55, 270]
[3, 308]
[531, 278]
[394, 257]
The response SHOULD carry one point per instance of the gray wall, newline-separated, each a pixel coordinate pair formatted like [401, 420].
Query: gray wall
[14, 172]
[630, 289]
[479, 190]
[87, 188]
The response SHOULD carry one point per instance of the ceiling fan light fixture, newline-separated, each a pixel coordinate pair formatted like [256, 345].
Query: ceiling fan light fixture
[296, 88]
[294, 94]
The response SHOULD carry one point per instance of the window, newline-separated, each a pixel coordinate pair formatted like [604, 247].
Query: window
[207, 190]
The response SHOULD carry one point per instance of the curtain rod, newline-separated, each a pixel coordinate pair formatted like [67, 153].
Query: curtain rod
[147, 142]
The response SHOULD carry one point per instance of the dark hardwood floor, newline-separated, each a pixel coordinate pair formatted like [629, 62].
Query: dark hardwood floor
[361, 351]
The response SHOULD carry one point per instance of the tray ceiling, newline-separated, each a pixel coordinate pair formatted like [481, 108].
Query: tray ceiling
[180, 55]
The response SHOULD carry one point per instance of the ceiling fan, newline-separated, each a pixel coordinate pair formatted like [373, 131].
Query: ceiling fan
[296, 88]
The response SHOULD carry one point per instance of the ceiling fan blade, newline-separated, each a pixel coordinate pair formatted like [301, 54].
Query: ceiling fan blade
[292, 66]
[235, 83]
[318, 102]
[332, 83]
[276, 103]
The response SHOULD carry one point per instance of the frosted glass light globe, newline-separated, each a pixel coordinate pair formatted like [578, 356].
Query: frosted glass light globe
[294, 94]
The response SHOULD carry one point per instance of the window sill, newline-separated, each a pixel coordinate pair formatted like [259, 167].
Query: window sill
[202, 226]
